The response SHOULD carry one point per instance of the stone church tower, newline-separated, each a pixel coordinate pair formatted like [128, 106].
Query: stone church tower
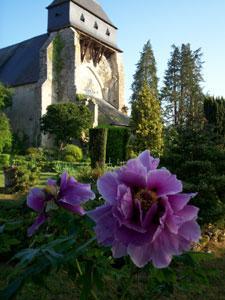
[78, 55]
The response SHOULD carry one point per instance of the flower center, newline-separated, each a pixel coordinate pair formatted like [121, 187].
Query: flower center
[146, 198]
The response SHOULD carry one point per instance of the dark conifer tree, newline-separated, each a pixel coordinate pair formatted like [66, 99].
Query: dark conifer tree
[170, 93]
[181, 95]
[146, 72]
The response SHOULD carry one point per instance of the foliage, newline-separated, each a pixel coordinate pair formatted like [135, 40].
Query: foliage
[66, 121]
[5, 97]
[146, 122]
[57, 59]
[14, 219]
[20, 143]
[5, 132]
[145, 73]
[36, 154]
[117, 141]
[4, 159]
[97, 146]
[60, 254]
[72, 153]
[182, 97]
[21, 175]
[214, 109]
[81, 97]
[197, 156]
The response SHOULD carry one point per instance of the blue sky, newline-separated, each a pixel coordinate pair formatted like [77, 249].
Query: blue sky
[165, 22]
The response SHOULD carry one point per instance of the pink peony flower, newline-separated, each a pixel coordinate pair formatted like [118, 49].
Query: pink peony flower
[69, 194]
[145, 215]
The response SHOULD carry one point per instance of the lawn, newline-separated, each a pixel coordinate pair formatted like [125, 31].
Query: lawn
[59, 286]
[42, 180]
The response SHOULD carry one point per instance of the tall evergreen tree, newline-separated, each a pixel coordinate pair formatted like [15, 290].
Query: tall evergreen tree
[182, 95]
[214, 109]
[171, 91]
[146, 121]
[146, 72]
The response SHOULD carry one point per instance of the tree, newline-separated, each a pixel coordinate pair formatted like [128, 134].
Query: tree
[181, 95]
[214, 109]
[146, 121]
[146, 72]
[5, 129]
[5, 97]
[66, 121]
[171, 91]
[5, 132]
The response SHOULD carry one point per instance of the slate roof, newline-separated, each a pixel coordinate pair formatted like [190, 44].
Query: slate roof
[107, 114]
[89, 5]
[20, 63]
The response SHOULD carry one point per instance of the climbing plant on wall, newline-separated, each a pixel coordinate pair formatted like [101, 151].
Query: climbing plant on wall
[58, 46]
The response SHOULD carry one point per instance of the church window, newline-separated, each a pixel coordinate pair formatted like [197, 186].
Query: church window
[82, 18]
[96, 25]
[108, 32]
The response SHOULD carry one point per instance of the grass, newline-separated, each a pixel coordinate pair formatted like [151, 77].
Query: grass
[42, 181]
[59, 286]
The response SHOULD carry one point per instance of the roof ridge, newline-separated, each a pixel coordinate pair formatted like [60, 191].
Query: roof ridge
[24, 41]
[86, 4]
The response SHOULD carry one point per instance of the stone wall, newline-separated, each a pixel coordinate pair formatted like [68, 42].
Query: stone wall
[104, 80]
[25, 112]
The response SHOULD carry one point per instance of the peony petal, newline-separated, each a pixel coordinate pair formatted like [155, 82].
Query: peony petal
[99, 212]
[51, 182]
[134, 174]
[178, 202]
[119, 249]
[105, 224]
[163, 182]
[36, 199]
[173, 223]
[127, 235]
[188, 213]
[63, 180]
[160, 258]
[149, 162]
[77, 209]
[140, 255]
[150, 215]
[190, 231]
[36, 225]
[107, 186]
[125, 202]
[73, 192]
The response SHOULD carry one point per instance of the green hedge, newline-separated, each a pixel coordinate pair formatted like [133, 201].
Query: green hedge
[97, 146]
[116, 150]
[4, 160]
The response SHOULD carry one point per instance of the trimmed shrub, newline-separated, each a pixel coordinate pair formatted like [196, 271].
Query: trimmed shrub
[97, 146]
[72, 153]
[117, 142]
[4, 160]
[21, 176]
[35, 153]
